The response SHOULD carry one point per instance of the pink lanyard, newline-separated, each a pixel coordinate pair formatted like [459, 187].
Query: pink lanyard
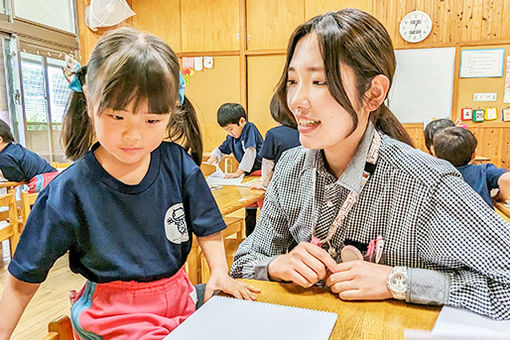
[373, 154]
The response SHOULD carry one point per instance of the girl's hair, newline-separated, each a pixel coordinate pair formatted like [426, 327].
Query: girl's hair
[127, 65]
[185, 130]
[5, 132]
[280, 113]
[358, 40]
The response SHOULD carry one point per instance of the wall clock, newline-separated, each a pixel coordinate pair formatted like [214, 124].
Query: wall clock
[415, 26]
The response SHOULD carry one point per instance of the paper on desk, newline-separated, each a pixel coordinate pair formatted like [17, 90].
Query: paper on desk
[218, 178]
[454, 323]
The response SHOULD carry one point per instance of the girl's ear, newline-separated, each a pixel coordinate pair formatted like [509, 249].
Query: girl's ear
[1, 140]
[379, 87]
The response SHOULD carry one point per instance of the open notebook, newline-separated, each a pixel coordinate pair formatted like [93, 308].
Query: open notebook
[227, 318]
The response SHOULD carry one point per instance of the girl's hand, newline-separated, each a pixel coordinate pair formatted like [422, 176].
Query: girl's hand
[360, 280]
[304, 265]
[230, 286]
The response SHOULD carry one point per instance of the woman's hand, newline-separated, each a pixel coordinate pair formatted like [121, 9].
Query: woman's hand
[230, 286]
[360, 280]
[304, 265]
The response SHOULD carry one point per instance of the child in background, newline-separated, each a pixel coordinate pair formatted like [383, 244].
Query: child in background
[433, 127]
[127, 209]
[244, 141]
[457, 146]
[17, 163]
[278, 140]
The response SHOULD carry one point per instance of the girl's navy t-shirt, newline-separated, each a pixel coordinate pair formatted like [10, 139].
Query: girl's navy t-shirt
[115, 231]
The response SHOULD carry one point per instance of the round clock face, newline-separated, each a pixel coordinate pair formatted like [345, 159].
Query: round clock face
[415, 26]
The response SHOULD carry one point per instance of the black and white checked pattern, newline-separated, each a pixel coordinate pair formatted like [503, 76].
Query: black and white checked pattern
[428, 216]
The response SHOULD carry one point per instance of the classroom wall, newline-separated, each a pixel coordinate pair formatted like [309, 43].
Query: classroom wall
[248, 39]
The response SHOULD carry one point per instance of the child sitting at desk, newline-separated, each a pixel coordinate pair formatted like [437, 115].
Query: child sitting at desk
[19, 164]
[244, 141]
[278, 140]
[457, 146]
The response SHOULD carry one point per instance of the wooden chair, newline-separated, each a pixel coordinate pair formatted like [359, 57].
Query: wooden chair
[60, 329]
[11, 231]
[27, 200]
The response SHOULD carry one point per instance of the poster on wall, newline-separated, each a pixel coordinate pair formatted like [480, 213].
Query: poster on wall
[482, 63]
[506, 97]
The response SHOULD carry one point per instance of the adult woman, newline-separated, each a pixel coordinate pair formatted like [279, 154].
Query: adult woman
[356, 181]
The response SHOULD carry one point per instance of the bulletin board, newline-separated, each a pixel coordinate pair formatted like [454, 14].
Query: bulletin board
[422, 87]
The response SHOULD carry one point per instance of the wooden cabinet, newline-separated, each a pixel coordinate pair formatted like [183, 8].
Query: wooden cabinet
[270, 23]
[211, 25]
[264, 72]
[161, 18]
[317, 7]
[210, 88]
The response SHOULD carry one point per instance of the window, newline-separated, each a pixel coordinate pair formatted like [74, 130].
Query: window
[53, 13]
[45, 94]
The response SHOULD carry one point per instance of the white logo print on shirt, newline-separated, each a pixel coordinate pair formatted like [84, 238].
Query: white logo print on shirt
[175, 224]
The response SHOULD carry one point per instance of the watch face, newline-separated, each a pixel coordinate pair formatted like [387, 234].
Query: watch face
[415, 26]
[398, 282]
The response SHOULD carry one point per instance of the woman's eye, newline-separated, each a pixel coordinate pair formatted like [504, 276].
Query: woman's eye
[291, 82]
[152, 121]
[319, 82]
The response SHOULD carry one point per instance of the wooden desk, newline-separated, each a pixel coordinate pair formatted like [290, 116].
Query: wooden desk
[356, 320]
[502, 208]
[231, 198]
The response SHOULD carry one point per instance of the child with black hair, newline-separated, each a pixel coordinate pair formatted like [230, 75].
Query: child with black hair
[127, 209]
[17, 163]
[432, 128]
[457, 146]
[244, 140]
[278, 140]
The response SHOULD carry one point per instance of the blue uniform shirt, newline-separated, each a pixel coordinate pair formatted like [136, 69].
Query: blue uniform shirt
[21, 165]
[250, 137]
[115, 231]
[278, 140]
[482, 178]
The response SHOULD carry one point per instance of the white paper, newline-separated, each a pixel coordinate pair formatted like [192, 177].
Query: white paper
[198, 64]
[218, 178]
[208, 62]
[482, 63]
[461, 322]
[223, 318]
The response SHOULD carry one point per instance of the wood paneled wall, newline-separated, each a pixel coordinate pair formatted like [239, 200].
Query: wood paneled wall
[255, 33]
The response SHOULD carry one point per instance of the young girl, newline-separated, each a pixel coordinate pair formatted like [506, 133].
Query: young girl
[358, 192]
[126, 211]
[277, 141]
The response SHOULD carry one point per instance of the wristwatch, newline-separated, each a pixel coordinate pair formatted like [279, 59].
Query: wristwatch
[397, 282]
